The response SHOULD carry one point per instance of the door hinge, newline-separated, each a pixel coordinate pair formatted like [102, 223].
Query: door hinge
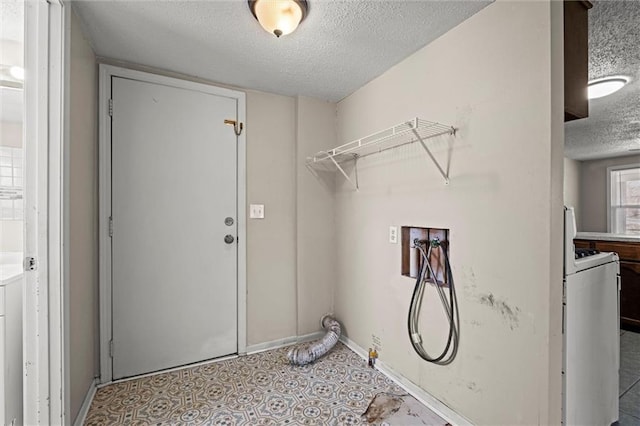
[30, 264]
[110, 227]
[111, 348]
[110, 107]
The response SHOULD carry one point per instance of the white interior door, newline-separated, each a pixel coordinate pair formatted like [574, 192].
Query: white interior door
[174, 182]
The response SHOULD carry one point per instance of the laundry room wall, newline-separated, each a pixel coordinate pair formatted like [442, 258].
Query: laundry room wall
[271, 245]
[83, 218]
[290, 256]
[495, 78]
[593, 191]
[316, 256]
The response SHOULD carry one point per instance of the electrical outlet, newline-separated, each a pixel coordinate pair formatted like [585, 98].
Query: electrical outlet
[256, 211]
[393, 234]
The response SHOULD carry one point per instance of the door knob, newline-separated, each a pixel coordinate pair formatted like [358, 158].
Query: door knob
[229, 239]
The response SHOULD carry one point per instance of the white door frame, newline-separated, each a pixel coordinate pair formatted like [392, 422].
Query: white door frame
[104, 185]
[45, 318]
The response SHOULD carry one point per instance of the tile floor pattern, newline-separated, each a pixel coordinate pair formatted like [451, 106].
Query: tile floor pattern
[259, 389]
[629, 378]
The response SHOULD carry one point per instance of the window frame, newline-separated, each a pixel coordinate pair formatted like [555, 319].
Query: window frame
[610, 206]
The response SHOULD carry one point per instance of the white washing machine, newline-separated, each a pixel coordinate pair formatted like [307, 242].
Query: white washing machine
[591, 318]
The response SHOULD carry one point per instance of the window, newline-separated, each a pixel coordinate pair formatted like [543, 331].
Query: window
[624, 201]
[10, 183]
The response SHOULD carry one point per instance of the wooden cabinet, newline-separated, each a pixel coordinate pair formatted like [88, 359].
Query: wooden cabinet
[630, 294]
[582, 244]
[576, 59]
[629, 253]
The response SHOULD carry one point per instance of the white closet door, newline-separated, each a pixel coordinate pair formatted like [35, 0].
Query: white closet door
[173, 185]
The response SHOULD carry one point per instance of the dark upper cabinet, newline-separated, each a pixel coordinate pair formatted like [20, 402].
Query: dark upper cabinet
[576, 59]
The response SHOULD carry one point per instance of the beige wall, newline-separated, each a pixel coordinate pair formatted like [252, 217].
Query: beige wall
[316, 131]
[290, 256]
[83, 218]
[593, 191]
[271, 245]
[572, 187]
[505, 195]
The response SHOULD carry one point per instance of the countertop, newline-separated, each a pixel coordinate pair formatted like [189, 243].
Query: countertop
[605, 236]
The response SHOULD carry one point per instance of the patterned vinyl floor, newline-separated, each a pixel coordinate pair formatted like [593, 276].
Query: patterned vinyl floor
[259, 389]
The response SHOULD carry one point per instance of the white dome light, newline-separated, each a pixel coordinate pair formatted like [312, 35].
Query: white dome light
[605, 86]
[279, 17]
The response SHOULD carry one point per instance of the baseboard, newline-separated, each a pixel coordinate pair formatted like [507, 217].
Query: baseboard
[275, 344]
[434, 404]
[86, 404]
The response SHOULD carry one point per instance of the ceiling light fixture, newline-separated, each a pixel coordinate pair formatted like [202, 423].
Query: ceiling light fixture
[279, 17]
[601, 87]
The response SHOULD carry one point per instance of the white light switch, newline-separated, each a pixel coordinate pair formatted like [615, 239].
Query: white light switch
[393, 234]
[256, 211]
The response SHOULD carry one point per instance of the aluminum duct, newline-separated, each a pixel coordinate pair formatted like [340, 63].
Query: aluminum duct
[307, 354]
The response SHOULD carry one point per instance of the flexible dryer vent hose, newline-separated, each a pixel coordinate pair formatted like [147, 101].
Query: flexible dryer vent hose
[307, 354]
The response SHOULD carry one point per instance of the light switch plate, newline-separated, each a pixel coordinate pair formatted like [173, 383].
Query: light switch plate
[393, 234]
[256, 211]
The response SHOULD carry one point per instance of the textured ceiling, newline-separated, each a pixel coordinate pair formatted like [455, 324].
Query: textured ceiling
[338, 48]
[613, 126]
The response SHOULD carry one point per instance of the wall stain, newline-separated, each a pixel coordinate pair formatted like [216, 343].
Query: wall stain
[461, 384]
[473, 387]
[511, 315]
[468, 280]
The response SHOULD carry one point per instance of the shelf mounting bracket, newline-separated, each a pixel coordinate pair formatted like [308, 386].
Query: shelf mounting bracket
[346, 176]
[426, 148]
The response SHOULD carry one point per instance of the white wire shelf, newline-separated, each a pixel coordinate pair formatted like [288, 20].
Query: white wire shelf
[415, 130]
